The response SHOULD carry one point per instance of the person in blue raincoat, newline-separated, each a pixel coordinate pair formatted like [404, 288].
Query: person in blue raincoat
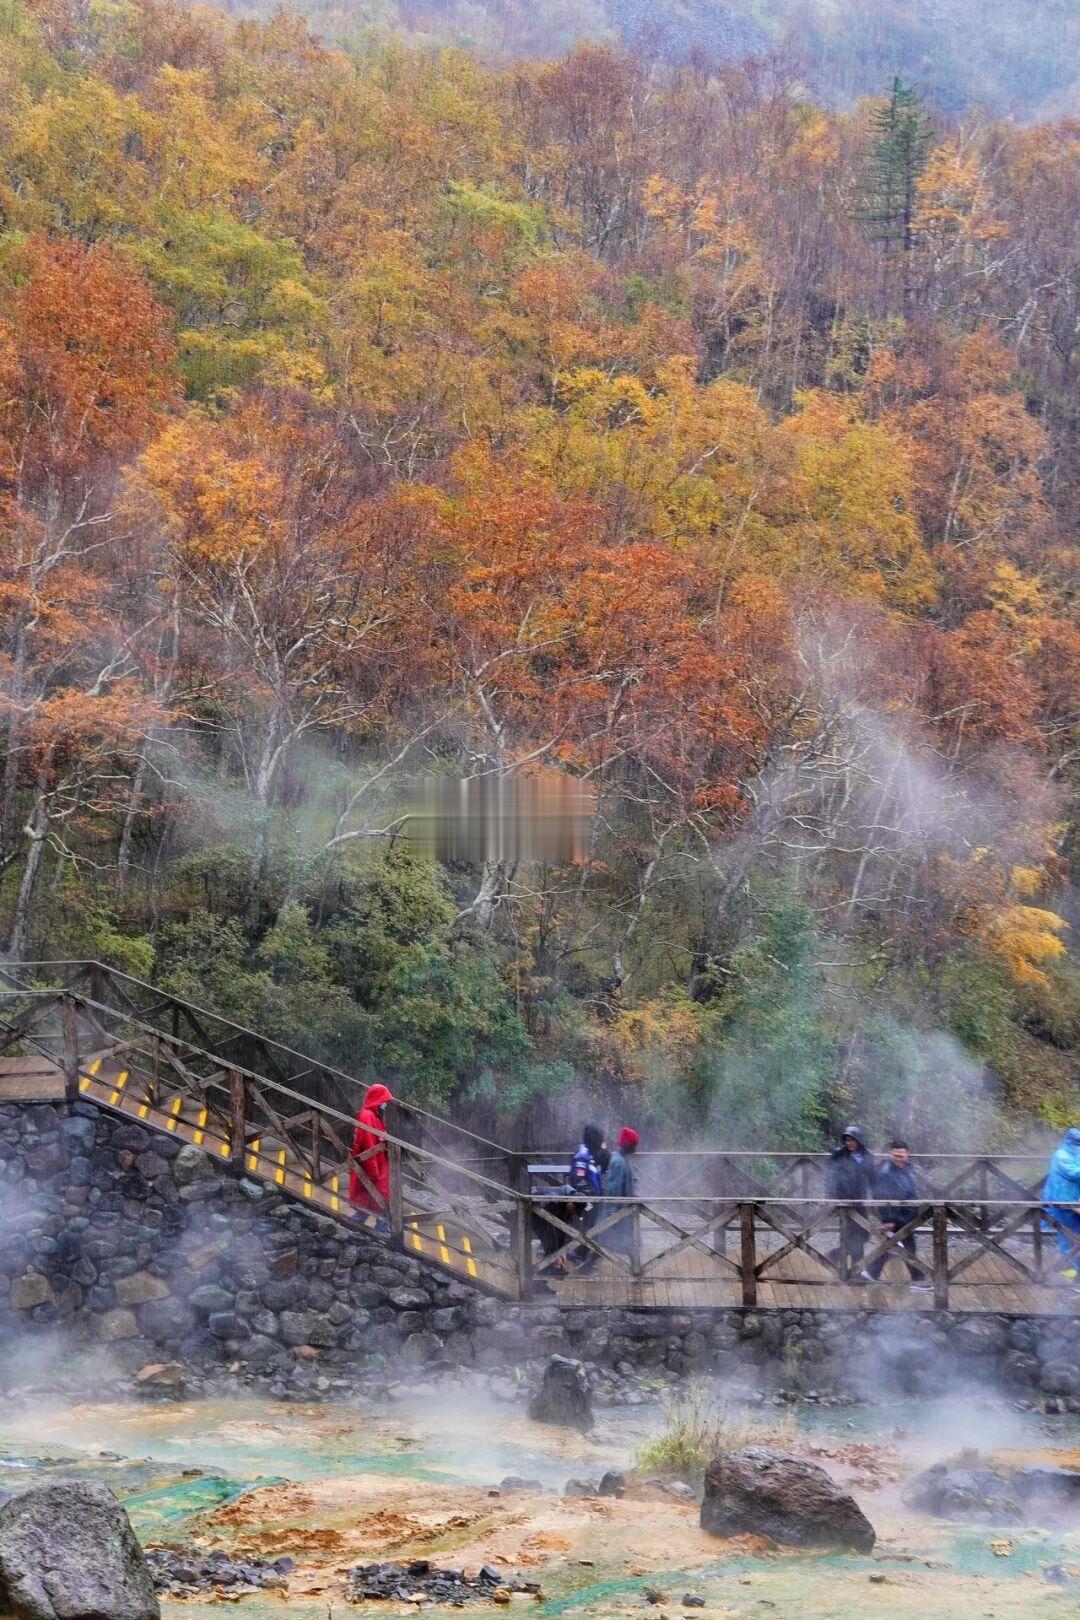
[1063, 1187]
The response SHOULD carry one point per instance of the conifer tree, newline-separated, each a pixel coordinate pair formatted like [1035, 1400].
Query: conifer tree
[903, 136]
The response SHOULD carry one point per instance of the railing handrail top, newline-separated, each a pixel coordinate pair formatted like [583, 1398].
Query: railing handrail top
[227, 1067]
[938, 1201]
[805, 1153]
[266, 1082]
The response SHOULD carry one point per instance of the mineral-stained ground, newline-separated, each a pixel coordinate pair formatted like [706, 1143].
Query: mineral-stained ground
[287, 1503]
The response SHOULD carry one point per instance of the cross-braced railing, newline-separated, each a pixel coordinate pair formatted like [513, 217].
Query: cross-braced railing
[725, 1228]
[437, 1207]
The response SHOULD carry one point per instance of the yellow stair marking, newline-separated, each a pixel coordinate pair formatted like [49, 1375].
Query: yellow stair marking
[84, 1083]
[413, 1234]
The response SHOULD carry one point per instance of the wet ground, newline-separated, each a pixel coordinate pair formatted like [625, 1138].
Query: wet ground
[332, 1487]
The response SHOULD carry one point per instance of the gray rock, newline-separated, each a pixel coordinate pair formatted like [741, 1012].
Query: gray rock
[80, 1135]
[420, 1348]
[227, 1325]
[30, 1291]
[297, 1326]
[563, 1397]
[166, 1320]
[209, 1299]
[67, 1552]
[152, 1165]
[766, 1492]
[192, 1165]
[976, 1493]
[409, 1299]
[285, 1295]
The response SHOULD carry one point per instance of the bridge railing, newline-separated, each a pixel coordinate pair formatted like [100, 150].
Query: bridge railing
[437, 1207]
[811, 1245]
[235, 1045]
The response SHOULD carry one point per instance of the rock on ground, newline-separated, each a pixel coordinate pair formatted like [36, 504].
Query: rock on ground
[68, 1552]
[563, 1397]
[981, 1494]
[769, 1493]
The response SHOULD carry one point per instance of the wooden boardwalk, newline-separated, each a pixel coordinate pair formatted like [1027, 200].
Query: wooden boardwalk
[690, 1283]
[983, 1242]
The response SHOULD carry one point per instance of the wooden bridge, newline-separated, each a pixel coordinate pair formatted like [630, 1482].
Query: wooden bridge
[708, 1230]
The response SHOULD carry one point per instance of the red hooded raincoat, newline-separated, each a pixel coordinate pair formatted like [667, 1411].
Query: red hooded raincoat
[370, 1131]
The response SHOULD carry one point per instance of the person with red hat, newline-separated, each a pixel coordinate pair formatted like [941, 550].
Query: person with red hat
[620, 1183]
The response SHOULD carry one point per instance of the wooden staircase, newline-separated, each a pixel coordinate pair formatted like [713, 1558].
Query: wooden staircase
[440, 1211]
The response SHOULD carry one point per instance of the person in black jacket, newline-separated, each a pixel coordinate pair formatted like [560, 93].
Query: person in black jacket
[895, 1181]
[851, 1177]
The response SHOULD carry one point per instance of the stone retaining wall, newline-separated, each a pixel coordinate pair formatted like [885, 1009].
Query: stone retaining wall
[116, 1235]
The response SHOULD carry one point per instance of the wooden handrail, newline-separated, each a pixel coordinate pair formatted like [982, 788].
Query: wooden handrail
[88, 965]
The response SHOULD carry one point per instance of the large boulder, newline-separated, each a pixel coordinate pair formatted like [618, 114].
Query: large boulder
[68, 1552]
[973, 1490]
[563, 1397]
[769, 1493]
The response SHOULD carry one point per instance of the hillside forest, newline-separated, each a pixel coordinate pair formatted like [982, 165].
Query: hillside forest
[376, 411]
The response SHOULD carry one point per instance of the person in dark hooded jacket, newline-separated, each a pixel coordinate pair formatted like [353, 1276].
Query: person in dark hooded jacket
[587, 1181]
[371, 1133]
[851, 1178]
[896, 1184]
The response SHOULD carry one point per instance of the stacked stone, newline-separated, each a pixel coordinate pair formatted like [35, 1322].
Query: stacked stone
[171, 1255]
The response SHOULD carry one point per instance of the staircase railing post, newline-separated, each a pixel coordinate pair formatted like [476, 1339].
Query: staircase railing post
[238, 1099]
[940, 1226]
[71, 1050]
[522, 1236]
[635, 1240]
[396, 1211]
[316, 1147]
[984, 1194]
[748, 1256]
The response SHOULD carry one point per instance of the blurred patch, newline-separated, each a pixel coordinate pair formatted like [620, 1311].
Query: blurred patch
[545, 816]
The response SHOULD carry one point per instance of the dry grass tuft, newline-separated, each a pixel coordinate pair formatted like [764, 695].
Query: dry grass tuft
[699, 1427]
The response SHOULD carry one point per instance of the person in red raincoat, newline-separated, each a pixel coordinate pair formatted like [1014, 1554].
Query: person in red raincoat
[370, 1131]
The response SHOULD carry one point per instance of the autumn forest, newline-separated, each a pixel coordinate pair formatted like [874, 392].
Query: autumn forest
[381, 410]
